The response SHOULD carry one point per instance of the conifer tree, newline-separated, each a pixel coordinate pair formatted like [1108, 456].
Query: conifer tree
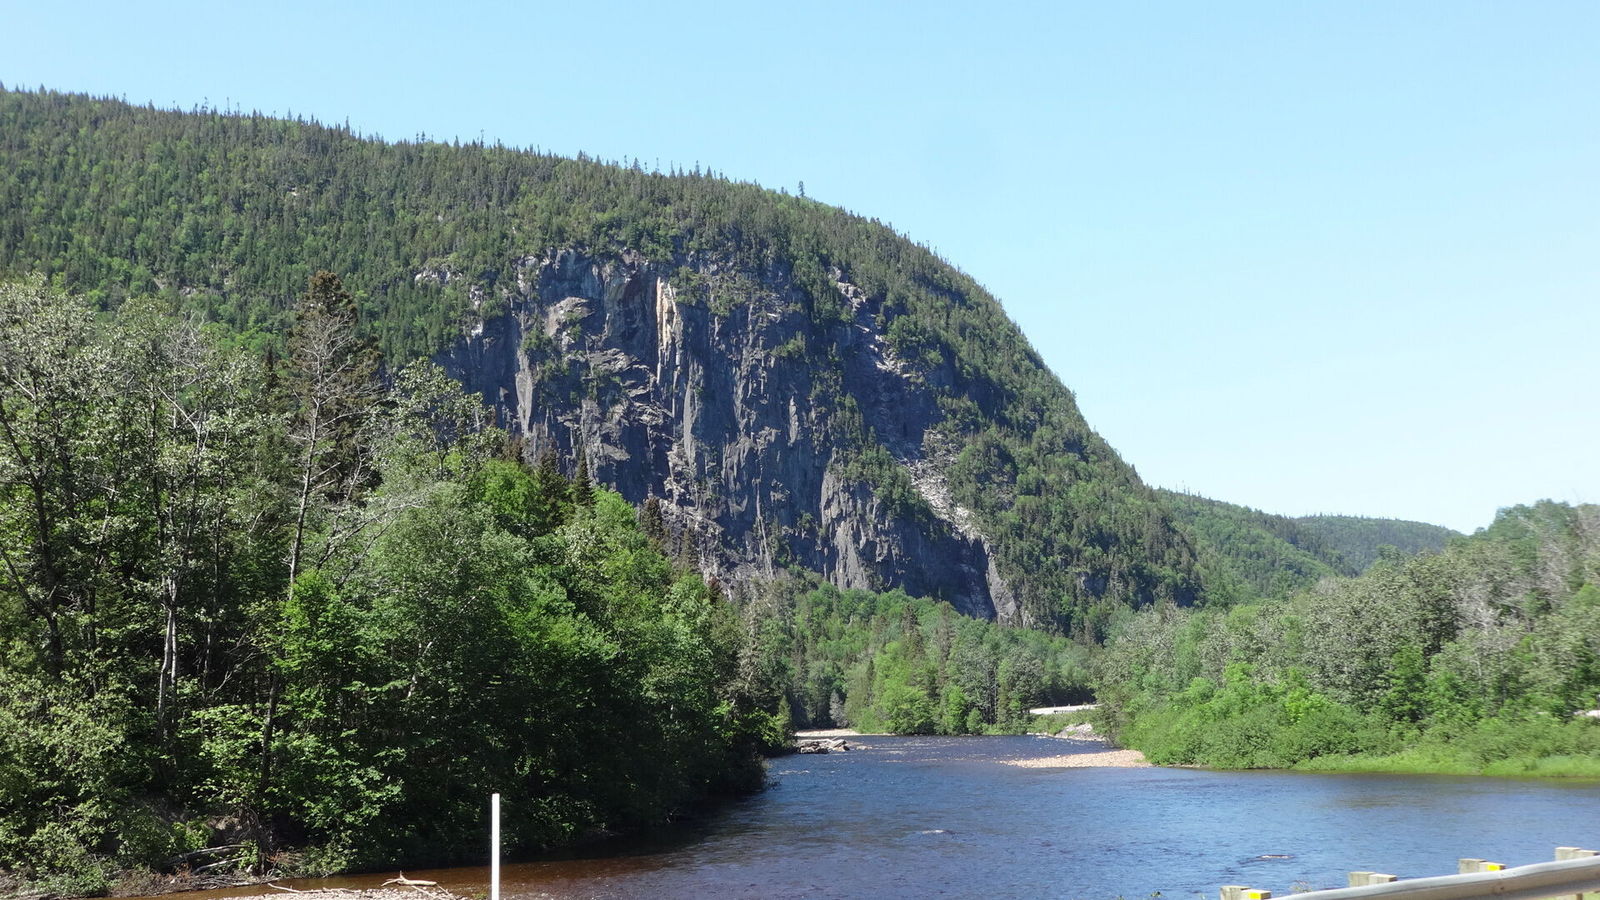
[553, 491]
[653, 524]
[582, 484]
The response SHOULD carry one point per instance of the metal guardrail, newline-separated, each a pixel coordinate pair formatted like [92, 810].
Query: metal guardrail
[1573, 873]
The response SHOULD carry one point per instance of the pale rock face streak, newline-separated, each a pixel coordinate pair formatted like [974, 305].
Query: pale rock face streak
[712, 397]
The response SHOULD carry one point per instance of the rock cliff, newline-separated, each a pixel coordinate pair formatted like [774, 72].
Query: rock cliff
[712, 388]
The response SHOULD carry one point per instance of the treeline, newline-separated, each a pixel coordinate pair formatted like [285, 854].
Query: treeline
[318, 616]
[892, 663]
[1360, 540]
[1473, 659]
[1247, 555]
[226, 214]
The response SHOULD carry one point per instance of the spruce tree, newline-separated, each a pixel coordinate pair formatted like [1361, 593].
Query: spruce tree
[582, 484]
[554, 493]
[653, 524]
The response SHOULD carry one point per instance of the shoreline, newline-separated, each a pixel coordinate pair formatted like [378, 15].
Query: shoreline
[1111, 758]
[1106, 759]
[813, 733]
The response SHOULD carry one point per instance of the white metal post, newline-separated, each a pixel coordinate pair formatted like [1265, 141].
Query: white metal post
[494, 847]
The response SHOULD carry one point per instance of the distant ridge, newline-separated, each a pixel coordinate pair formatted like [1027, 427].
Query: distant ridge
[1247, 554]
[1358, 538]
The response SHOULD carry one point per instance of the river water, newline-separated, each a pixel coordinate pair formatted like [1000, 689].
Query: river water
[947, 817]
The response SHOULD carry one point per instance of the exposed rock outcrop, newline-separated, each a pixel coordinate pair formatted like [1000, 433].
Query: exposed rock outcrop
[821, 745]
[713, 388]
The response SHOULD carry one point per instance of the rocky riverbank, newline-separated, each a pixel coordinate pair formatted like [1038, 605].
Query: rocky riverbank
[821, 745]
[1083, 731]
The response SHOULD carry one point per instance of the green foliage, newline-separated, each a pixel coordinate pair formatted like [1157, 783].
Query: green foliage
[1540, 746]
[65, 778]
[1249, 723]
[1470, 660]
[892, 663]
[456, 626]
[1248, 555]
[1359, 541]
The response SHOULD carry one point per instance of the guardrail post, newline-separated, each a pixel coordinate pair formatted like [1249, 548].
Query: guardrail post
[1363, 879]
[1566, 853]
[1469, 864]
[1232, 891]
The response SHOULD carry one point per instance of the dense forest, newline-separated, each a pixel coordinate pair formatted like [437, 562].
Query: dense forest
[226, 215]
[287, 609]
[888, 662]
[1246, 554]
[1473, 659]
[1359, 540]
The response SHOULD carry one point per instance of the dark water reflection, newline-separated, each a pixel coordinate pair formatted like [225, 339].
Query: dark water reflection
[943, 817]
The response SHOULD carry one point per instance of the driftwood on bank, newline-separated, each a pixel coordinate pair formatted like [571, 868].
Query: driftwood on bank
[410, 882]
[430, 888]
[219, 864]
[192, 855]
[383, 892]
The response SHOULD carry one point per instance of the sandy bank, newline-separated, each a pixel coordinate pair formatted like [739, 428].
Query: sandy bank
[1120, 759]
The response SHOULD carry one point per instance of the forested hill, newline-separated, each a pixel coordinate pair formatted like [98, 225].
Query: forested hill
[798, 386]
[1358, 539]
[1247, 554]
[1472, 660]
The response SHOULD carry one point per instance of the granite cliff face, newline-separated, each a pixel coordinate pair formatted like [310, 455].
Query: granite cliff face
[712, 388]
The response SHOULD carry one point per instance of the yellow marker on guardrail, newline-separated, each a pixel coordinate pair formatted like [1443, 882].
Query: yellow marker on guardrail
[1469, 864]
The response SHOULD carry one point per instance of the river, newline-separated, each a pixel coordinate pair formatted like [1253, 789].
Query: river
[947, 817]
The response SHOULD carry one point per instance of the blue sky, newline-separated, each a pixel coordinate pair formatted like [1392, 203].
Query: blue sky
[1309, 257]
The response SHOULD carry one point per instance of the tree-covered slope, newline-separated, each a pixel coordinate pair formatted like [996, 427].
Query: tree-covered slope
[1358, 539]
[1246, 554]
[1471, 659]
[888, 662]
[860, 407]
